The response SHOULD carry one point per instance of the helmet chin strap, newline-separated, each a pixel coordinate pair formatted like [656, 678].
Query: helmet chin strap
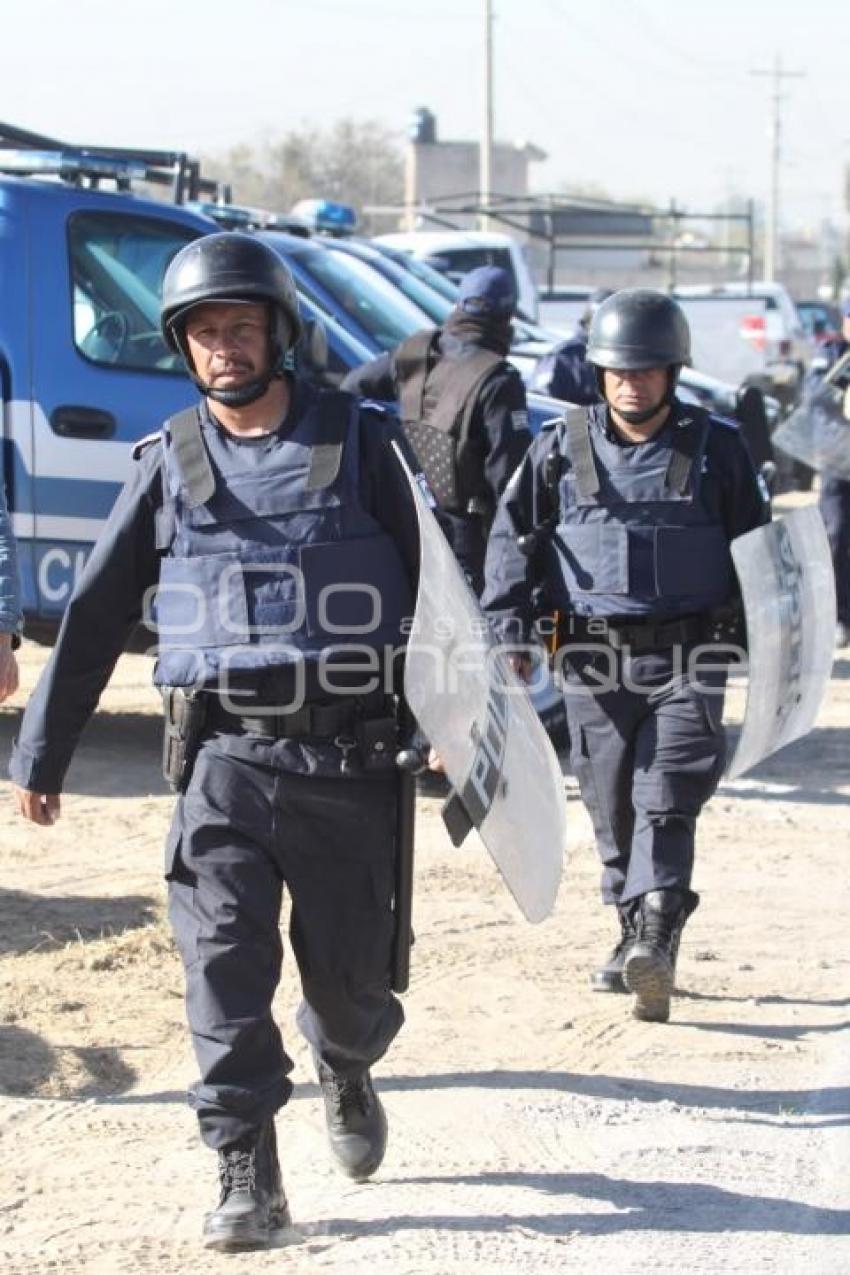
[647, 413]
[240, 395]
[640, 418]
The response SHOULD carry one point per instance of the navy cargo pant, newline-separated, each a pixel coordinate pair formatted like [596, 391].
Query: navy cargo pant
[244, 829]
[835, 509]
[647, 748]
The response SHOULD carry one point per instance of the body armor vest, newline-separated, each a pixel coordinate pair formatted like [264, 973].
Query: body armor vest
[633, 537]
[437, 397]
[270, 556]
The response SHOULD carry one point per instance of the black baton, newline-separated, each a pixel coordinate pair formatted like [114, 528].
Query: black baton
[408, 761]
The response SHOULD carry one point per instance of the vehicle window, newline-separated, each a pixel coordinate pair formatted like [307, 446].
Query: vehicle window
[370, 299]
[436, 306]
[456, 262]
[816, 319]
[344, 350]
[117, 264]
[438, 282]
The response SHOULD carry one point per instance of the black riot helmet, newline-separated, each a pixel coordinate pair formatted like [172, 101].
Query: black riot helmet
[640, 328]
[236, 268]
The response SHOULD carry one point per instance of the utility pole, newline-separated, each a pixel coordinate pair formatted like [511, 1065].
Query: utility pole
[771, 244]
[486, 144]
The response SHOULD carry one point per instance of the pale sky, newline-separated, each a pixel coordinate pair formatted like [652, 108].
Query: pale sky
[648, 98]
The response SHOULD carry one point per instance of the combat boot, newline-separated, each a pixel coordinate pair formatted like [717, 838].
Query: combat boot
[650, 967]
[609, 977]
[357, 1123]
[252, 1210]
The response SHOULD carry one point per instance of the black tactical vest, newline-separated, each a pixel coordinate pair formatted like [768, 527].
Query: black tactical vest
[437, 397]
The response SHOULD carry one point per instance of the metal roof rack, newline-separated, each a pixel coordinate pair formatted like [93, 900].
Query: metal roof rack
[23, 152]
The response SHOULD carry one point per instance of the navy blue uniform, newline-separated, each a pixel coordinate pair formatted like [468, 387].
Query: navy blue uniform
[636, 570]
[260, 811]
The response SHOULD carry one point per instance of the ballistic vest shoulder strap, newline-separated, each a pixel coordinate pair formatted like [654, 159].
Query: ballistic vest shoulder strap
[190, 456]
[689, 437]
[580, 451]
[335, 416]
[454, 385]
[413, 361]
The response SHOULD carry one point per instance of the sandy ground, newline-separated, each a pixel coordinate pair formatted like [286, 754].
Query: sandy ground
[534, 1126]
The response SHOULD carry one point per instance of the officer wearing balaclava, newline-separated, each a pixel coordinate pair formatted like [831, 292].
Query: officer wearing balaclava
[462, 407]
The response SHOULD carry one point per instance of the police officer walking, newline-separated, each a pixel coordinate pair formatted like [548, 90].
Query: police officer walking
[619, 521]
[275, 527]
[462, 407]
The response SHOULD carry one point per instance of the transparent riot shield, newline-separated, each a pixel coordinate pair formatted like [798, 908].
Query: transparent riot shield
[787, 583]
[478, 717]
[818, 431]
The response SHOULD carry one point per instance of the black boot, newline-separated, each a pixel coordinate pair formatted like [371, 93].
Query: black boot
[650, 966]
[609, 977]
[357, 1123]
[252, 1208]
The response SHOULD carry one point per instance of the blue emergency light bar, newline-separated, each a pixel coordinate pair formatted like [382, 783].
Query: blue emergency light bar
[70, 165]
[327, 216]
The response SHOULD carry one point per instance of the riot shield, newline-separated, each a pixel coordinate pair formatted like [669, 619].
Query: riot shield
[787, 583]
[818, 431]
[478, 716]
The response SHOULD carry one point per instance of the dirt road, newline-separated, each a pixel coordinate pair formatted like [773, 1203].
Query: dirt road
[535, 1126]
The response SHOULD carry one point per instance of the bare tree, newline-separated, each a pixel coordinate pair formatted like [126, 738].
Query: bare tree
[357, 163]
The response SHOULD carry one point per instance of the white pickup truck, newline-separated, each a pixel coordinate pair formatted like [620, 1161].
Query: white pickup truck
[456, 252]
[748, 333]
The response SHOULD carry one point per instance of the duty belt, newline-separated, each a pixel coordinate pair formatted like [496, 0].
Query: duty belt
[315, 720]
[646, 636]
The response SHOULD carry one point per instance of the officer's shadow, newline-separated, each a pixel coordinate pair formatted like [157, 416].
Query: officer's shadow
[635, 1206]
[821, 756]
[819, 1109]
[119, 755]
[28, 1063]
[37, 922]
